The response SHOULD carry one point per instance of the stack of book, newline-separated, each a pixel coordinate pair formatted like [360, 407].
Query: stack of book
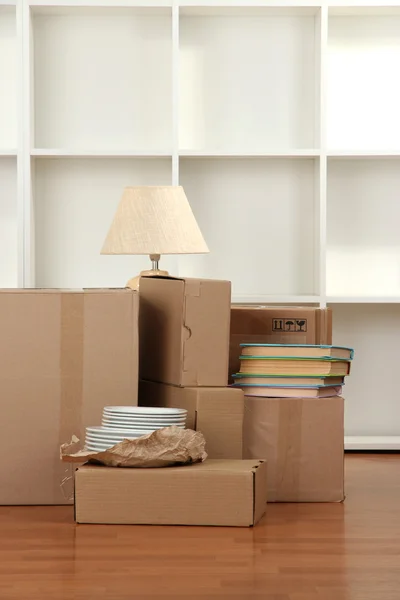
[292, 370]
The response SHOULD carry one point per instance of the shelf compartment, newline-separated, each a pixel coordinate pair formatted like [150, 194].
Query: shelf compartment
[75, 51]
[363, 243]
[258, 218]
[247, 80]
[8, 223]
[363, 93]
[8, 78]
[373, 330]
[74, 203]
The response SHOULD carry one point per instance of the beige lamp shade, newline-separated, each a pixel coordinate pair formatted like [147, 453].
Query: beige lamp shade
[154, 220]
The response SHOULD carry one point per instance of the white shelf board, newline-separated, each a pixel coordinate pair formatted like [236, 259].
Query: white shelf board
[8, 153]
[257, 8]
[268, 299]
[10, 3]
[363, 299]
[365, 8]
[65, 7]
[96, 153]
[357, 154]
[291, 153]
[371, 442]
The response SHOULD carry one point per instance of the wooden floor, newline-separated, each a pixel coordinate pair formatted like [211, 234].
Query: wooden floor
[347, 551]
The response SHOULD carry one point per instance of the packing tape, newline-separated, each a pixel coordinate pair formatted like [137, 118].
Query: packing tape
[71, 372]
[289, 448]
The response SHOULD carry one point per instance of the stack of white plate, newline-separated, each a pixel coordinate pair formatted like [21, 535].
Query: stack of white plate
[131, 422]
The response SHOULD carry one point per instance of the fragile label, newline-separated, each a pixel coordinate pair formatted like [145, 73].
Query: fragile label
[289, 325]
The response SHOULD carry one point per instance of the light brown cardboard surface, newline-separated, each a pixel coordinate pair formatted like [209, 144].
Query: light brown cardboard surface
[216, 492]
[216, 412]
[303, 441]
[254, 324]
[184, 331]
[63, 356]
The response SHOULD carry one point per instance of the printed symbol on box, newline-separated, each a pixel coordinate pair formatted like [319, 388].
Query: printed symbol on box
[290, 325]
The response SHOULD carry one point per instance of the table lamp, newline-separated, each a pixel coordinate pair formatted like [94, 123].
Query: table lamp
[154, 220]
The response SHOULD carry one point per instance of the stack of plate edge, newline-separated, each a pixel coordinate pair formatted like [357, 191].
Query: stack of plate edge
[121, 423]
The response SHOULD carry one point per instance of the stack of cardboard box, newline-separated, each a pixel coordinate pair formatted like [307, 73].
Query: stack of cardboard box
[64, 355]
[184, 353]
[302, 438]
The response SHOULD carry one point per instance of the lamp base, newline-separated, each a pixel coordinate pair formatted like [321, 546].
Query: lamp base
[133, 283]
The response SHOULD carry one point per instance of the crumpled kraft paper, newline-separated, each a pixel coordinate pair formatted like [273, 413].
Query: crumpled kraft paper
[161, 448]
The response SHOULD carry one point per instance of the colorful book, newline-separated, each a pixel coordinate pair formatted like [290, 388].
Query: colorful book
[297, 351]
[269, 391]
[293, 366]
[288, 381]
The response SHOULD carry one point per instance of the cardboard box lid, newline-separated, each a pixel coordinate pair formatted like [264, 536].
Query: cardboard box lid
[184, 330]
[216, 492]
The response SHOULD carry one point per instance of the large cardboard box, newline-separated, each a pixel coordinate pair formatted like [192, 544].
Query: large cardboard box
[216, 412]
[184, 331]
[277, 325]
[216, 492]
[303, 442]
[63, 356]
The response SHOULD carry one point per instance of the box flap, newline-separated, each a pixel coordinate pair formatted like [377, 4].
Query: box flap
[206, 340]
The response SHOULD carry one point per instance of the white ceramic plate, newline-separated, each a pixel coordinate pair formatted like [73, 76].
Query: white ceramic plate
[92, 448]
[142, 425]
[144, 410]
[105, 431]
[135, 419]
[133, 429]
[111, 439]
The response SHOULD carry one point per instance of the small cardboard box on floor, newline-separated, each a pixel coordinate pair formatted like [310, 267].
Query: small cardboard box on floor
[216, 412]
[276, 325]
[303, 442]
[184, 331]
[216, 492]
[64, 355]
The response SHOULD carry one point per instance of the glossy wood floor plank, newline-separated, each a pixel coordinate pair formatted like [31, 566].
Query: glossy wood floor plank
[348, 551]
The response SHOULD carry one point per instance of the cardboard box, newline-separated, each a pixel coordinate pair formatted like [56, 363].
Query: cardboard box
[216, 492]
[63, 357]
[184, 331]
[277, 325]
[216, 412]
[303, 442]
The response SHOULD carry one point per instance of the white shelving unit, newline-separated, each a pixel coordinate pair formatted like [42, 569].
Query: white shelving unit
[280, 118]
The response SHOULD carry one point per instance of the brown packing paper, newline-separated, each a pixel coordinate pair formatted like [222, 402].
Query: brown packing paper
[162, 448]
[303, 441]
